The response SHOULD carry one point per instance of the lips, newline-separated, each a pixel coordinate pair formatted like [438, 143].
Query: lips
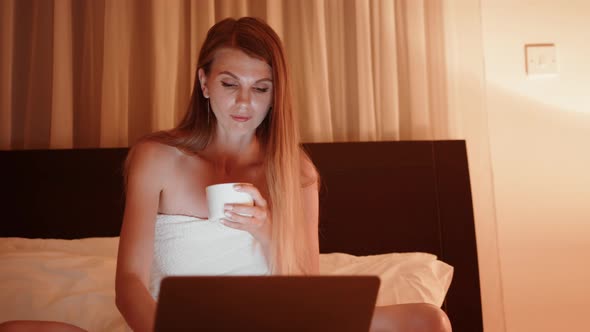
[240, 118]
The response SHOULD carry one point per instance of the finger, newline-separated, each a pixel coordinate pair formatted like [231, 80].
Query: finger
[245, 220]
[232, 224]
[253, 191]
[247, 210]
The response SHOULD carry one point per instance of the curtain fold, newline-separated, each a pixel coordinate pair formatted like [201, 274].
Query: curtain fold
[62, 108]
[115, 87]
[6, 69]
[102, 73]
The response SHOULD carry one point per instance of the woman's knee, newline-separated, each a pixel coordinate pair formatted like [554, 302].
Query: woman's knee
[411, 317]
[35, 326]
[431, 318]
[15, 325]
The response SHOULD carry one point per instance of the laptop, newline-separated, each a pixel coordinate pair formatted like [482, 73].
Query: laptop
[266, 303]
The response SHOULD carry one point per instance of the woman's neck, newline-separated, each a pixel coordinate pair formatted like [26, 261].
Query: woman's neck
[236, 152]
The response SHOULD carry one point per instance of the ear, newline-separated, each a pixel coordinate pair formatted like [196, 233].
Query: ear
[203, 82]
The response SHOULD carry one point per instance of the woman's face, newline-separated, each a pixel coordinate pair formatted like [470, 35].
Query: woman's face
[240, 90]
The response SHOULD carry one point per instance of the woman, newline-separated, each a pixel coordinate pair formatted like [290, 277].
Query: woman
[240, 127]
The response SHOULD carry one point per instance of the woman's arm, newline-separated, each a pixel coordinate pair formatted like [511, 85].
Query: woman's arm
[146, 170]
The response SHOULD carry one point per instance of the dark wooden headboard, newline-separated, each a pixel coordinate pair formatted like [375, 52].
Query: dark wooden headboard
[376, 197]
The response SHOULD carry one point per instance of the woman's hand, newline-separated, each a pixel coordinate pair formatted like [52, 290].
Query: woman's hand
[252, 219]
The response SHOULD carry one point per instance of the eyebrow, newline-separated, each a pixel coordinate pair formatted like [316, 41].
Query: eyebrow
[237, 78]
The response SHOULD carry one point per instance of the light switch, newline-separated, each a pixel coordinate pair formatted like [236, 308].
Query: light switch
[541, 59]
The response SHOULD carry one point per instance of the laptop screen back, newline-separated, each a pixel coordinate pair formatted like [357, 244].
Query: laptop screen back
[266, 303]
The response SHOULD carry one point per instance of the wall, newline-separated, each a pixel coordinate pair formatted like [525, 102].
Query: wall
[539, 136]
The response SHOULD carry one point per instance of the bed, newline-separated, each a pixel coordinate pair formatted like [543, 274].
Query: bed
[403, 203]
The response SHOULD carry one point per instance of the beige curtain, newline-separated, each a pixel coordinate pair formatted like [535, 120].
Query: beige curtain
[101, 73]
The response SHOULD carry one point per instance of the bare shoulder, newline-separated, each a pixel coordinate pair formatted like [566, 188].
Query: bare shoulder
[309, 173]
[150, 159]
[150, 149]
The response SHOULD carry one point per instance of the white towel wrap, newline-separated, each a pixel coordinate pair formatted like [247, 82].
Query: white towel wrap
[185, 245]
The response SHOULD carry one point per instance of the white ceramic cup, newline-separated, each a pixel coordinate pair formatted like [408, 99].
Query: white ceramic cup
[220, 194]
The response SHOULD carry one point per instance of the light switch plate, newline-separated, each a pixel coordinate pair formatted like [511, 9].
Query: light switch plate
[541, 59]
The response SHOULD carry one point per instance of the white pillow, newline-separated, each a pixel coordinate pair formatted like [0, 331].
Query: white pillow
[73, 281]
[405, 277]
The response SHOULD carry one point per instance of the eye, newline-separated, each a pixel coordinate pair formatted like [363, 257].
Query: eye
[261, 90]
[227, 85]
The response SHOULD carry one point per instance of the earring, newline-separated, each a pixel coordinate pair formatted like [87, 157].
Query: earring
[208, 111]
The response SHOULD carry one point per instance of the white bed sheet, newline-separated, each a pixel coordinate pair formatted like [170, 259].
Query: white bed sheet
[60, 280]
[73, 281]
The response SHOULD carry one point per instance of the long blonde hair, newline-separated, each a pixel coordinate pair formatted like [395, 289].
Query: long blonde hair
[278, 134]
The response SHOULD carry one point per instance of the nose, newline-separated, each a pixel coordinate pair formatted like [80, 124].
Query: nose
[243, 97]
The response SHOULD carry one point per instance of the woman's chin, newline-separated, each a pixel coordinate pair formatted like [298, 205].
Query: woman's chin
[239, 128]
